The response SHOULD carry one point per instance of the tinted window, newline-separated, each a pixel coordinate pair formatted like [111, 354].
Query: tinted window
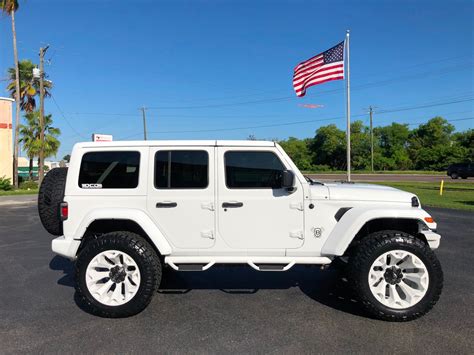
[253, 170]
[181, 169]
[109, 170]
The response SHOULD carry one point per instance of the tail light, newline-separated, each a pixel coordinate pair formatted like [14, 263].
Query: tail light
[63, 211]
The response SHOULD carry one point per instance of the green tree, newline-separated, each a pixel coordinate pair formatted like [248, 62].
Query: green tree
[30, 137]
[29, 85]
[360, 145]
[466, 140]
[431, 145]
[10, 7]
[391, 147]
[298, 151]
[328, 147]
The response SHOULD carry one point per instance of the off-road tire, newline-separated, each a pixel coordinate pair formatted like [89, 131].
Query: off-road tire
[142, 253]
[375, 245]
[454, 176]
[51, 194]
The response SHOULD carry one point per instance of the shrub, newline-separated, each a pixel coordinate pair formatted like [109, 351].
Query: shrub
[28, 184]
[5, 184]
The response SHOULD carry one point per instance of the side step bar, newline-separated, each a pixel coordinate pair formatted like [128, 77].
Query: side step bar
[190, 267]
[266, 263]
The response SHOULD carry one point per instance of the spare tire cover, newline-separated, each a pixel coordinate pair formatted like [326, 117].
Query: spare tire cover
[50, 196]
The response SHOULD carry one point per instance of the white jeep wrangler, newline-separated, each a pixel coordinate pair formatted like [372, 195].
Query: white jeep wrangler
[124, 210]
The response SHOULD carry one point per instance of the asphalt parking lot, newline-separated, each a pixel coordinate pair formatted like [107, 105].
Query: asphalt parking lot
[227, 309]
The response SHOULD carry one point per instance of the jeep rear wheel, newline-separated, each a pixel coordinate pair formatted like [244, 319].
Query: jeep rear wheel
[117, 274]
[396, 276]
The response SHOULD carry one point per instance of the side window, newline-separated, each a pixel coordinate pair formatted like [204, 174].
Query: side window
[251, 170]
[109, 170]
[181, 169]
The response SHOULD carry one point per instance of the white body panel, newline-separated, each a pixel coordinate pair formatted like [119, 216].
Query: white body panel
[273, 225]
[191, 224]
[268, 219]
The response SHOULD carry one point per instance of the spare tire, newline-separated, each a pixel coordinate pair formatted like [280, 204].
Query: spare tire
[51, 194]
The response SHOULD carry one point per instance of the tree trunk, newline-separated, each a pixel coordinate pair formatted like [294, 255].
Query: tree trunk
[41, 118]
[31, 169]
[16, 148]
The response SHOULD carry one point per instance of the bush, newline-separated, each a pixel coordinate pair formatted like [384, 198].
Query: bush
[321, 168]
[29, 185]
[5, 184]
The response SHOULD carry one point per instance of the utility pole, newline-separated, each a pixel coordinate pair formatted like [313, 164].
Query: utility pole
[41, 115]
[371, 139]
[144, 121]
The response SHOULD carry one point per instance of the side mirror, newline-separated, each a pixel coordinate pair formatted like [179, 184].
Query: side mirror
[288, 179]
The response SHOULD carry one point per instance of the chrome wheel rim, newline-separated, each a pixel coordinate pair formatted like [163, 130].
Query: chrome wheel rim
[113, 277]
[398, 279]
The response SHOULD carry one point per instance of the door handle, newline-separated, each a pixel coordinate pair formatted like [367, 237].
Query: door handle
[232, 204]
[166, 205]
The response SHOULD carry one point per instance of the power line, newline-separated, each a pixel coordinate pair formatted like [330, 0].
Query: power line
[261, 92]
[276, 99]
[287, 98]
[425, 106]
[272, 125]
[457, 97]
[454, 120]
[65, 118]
[300, 122]
[239, 128]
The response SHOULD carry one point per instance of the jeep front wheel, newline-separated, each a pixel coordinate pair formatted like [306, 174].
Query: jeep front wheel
[117, 274]
[396, 276]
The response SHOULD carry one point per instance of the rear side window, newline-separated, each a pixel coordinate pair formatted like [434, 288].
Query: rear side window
[109, 170]
[181, 169]
[253, 170]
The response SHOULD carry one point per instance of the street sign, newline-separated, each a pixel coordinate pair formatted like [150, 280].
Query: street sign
[102, 137]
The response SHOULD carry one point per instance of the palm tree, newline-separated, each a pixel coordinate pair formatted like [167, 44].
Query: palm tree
[9, 7]
[29, 141]
[29, 85]
[30, 137]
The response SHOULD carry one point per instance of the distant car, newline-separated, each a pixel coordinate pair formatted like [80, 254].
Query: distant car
[462, 170]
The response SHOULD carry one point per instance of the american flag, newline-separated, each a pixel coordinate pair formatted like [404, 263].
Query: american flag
[323, 67]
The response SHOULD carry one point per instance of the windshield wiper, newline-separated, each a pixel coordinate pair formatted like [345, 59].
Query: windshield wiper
[313, 182]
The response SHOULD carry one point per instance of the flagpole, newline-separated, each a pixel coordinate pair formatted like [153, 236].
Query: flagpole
[348, 107]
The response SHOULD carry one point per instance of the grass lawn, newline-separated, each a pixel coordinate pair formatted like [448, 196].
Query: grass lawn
[455, 195]
[458, 196]
[19, 192]
[398, 172]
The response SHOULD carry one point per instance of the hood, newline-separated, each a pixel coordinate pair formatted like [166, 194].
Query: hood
[367, 192]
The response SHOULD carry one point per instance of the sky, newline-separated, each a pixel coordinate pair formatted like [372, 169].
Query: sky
[223, 69]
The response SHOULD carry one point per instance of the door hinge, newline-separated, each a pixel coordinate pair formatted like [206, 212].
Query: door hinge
[207, 234]
[297, 235]
[207, 206]
[297, 206]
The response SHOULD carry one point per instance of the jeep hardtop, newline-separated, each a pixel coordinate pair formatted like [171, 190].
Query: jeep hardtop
[124, 210]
